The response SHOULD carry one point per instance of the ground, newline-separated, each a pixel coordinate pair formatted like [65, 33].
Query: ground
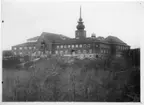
[54, 79]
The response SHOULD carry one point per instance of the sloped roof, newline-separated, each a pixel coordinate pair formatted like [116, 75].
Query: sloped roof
[61, 39]
[25, 44]
[34, 38]
[114, 40]
[80, 41]
[54, 37]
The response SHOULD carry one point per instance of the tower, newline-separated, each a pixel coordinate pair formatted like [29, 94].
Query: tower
[80, 33]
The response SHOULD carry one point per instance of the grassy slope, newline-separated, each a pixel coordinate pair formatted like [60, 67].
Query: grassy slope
[54, 80]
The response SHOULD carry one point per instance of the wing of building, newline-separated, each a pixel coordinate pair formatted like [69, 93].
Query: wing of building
[81, 45]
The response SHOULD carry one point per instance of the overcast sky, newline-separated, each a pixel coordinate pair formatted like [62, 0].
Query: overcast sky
[23, 20]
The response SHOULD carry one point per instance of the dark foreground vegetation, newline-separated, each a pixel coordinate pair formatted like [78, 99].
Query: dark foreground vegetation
[53, 79]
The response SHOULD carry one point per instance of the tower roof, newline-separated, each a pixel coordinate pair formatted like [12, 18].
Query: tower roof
[80, 22]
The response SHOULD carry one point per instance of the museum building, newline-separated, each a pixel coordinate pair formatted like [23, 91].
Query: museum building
[81, 45]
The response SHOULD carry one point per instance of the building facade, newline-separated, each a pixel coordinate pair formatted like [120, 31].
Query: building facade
[80, 46]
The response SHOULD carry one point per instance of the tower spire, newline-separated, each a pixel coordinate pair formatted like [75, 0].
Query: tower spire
[80, 12]
[80, 32]
[80, 22]
[80, 19]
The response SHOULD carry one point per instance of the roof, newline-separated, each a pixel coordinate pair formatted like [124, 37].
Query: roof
[25, 44]
[34, 38]
[54, 37]
[80, 41]
[114, 40]
[62, 39]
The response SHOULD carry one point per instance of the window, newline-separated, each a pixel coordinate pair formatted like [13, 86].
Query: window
[20, 48]
[61, 46]
[76, 46]
[65, 46]
[29, 47]
[56, 52]
[90, 51]
[49, 52]
[57, 46]
[96, 45]
[61, 52]
[15, 48]
[46, 52]
[72, 46]
[84, 45]
[88, 45]
[84, 51]
[80, 45]
[79, 51]
[68, 46]
[66, 51]
[25, 48]
[101, 51]
[20, 53]
[34, 47]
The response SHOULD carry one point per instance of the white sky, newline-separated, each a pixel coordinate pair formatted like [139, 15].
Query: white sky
[23, 20]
